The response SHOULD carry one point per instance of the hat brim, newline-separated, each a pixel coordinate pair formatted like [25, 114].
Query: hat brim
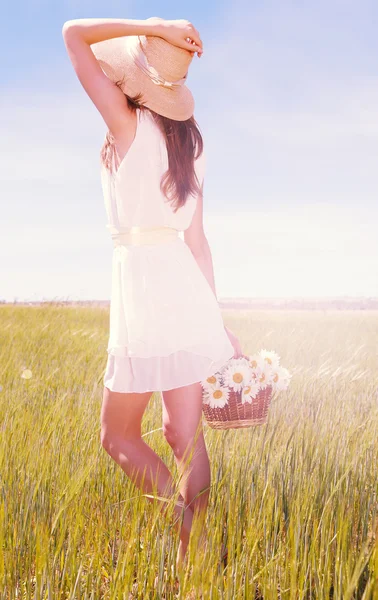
[116, 61]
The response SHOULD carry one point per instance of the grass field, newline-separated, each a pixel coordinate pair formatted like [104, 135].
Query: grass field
[297, 496]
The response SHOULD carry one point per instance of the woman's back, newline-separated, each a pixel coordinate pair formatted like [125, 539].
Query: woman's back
[132, 192]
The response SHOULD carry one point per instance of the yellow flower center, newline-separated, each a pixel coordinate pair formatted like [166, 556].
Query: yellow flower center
[268, 360]
[253, 364]
[247, 389]
[217, 394]
[275, 378]
[262, 378]
[237, 377]
[211, 379]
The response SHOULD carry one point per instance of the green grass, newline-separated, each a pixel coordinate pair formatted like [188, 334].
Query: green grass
[297, 496]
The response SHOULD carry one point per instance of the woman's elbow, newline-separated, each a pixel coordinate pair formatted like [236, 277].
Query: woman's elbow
[69, 27]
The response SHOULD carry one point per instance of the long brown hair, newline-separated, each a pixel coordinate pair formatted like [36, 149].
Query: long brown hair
[184, 144]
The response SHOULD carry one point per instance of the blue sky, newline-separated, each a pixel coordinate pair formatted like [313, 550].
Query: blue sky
[287, 100]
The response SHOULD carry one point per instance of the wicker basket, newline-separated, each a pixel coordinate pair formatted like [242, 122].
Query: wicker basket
[235, 414]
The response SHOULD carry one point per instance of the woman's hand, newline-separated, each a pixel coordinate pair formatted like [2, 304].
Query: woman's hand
[235, 342]
[178, 32]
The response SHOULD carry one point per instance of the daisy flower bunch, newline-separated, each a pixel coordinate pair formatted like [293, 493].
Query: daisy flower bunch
[246, 376]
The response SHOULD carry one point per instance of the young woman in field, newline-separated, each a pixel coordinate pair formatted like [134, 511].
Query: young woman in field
[166, 329]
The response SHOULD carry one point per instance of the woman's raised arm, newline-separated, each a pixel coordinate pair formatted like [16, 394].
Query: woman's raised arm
[80, 34]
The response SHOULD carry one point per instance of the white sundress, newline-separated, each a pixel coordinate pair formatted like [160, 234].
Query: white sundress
[165, 327]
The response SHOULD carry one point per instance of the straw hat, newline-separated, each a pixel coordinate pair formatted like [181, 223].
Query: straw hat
[152, 66]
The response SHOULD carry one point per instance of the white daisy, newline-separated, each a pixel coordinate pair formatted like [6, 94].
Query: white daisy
[26, 374]
[263, 375]
[250, 392]
[216, 397]
[211, 381]
[232, 361]
[257, 365]
[271, 357]
[256, 361]
[237, 375]
[280, 379]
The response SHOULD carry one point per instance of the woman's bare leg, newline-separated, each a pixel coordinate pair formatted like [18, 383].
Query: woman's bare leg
[182, 427]
[121, 417]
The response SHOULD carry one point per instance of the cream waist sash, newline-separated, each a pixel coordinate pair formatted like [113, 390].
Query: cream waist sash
[138, 236]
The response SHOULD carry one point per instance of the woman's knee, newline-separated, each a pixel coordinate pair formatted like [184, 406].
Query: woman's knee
[107, 441]
[170, 433]
[180, 438]
[115, 440]
[109, 437]
[121, 417]
[182, 416]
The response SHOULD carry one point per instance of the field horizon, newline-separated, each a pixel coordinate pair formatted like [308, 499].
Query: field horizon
[254, 303]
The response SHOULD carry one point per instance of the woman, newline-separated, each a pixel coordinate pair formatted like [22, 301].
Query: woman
[166, 330]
